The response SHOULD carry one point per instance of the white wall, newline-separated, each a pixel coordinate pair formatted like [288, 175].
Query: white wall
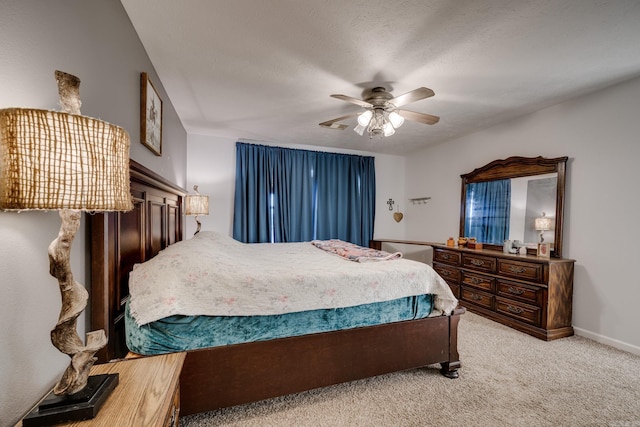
[211, 164]
[599, 132]
[95, 41]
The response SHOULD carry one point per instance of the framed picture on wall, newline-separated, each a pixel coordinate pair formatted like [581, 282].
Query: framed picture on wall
[150, 116]
[544, 250]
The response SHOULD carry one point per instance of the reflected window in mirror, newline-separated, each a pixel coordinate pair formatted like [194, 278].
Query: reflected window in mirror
[488, 211]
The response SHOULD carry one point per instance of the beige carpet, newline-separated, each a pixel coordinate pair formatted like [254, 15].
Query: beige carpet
[507, 379]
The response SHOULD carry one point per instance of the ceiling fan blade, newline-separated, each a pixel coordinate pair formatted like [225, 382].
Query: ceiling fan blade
[413, 96]
[333, 122]
[419, 117]
[356, 101]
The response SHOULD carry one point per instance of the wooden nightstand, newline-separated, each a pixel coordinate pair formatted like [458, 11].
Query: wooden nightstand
[148, 393]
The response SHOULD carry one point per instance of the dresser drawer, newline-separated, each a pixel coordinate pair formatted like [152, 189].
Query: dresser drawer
[480, 281]
[450, 274]
[479, 262]
[521, 270]
[520, 311]
[447, 257]
[524, 293]
[477, 297]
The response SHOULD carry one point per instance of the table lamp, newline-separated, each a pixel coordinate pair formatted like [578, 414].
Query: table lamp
[71, 163]
[196, 204]
[542, 224]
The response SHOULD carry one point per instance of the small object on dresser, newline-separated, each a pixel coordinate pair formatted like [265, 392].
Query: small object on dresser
[478, 245]
[471, 243]
[462, 241]
[450, 242]
[544, 250]
[522, 250]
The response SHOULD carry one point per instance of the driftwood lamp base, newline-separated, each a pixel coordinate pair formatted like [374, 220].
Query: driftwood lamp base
[83, 405]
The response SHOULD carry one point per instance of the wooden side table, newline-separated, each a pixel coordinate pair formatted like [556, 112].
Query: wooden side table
[148, 393]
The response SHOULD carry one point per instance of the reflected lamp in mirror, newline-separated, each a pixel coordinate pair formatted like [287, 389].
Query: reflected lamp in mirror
[196, 204]
[70, 163]
[543, 224]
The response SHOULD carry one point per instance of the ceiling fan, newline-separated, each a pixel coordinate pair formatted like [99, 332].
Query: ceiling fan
[382, 116]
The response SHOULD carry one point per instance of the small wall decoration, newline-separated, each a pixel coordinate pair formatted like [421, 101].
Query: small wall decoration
[150, 116]
[544, 250]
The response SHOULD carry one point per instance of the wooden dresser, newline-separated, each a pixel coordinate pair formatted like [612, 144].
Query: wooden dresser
[529, 293]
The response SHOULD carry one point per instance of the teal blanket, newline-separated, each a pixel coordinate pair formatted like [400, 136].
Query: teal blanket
[180, 333]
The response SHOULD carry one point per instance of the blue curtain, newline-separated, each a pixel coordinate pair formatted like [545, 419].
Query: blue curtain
[289, 195]
[488, 207]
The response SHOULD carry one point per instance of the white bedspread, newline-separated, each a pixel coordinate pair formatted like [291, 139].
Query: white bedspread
[213, 274]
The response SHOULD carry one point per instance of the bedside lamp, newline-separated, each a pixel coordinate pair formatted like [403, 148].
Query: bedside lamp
[542, 224]
[71, 163]
[196, 204]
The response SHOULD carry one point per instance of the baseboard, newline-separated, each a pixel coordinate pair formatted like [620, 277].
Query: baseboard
[634, 349]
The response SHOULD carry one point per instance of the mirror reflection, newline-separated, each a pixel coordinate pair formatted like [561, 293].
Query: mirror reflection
[521, 209]
[515, 199]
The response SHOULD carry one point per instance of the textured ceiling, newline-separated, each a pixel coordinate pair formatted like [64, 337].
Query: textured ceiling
[264, 69]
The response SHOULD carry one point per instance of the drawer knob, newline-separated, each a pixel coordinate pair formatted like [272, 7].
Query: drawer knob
[516, 310]
[475, 280]
[517, 269]
[445, 273]
[445, 256]
[477, 262]
[515, 291]
[476, 297]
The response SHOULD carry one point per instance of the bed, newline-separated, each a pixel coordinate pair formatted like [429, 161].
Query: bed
[244, 371]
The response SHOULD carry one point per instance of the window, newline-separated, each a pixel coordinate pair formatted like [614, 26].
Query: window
[291, 195]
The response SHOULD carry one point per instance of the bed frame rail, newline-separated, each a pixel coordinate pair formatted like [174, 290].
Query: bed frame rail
[243, 373]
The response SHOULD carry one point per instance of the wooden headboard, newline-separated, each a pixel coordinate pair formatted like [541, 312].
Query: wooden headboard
[121, 239]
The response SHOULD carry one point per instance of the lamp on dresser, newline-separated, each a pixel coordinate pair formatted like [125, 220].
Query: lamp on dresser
[196, 204]
[542, 224]
[71, 163]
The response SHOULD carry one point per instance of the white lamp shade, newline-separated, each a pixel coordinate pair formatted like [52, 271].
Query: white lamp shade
[197, 204]
[543, 223]
[55, 160]
[388, 129]
[396, 119]
[365, 118]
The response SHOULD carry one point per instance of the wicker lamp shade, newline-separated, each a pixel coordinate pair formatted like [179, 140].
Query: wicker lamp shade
[197, 204]
[543, 223]
[56, 160]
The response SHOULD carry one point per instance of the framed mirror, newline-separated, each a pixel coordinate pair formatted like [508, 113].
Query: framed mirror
[518, 199]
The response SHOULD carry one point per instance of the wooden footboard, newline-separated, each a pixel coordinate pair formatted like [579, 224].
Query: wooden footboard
[236, 374]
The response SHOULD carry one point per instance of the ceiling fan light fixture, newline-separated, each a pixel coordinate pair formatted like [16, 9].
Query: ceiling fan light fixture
[376, 133]
[388, 129]
[365, 118]
[396, 119]
[380, 118]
